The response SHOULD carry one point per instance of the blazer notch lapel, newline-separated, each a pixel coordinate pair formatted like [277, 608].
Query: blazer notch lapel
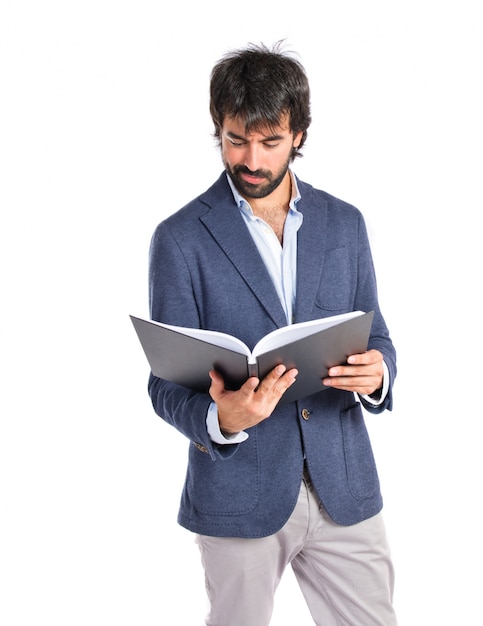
[227, 227]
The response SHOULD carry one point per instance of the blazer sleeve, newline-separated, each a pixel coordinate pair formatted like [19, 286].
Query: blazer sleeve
[366, 300]
[171, 301]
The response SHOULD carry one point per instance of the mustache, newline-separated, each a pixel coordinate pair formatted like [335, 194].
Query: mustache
[243, 169]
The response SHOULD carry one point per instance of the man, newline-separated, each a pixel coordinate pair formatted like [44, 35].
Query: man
[270, 484]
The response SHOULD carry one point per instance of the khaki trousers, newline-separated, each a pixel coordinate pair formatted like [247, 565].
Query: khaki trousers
[345, 572]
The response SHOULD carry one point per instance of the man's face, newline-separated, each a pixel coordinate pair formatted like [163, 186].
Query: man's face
[257, 162]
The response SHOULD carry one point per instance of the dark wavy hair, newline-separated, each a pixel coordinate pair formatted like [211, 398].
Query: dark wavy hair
[261, 85]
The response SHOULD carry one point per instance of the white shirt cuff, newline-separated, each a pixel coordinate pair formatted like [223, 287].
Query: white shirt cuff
[384, 390]
[213, 426]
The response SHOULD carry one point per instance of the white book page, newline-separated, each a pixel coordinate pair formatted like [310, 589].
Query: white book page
[214, 337]
[289, 334]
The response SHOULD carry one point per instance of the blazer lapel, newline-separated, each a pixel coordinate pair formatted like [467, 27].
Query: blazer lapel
[228, 228]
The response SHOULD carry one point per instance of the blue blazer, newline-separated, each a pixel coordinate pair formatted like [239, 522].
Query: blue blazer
[205, 272]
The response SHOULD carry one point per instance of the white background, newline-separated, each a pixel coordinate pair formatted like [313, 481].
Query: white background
[105, 130]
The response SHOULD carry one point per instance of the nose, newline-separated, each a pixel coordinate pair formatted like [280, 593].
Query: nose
[252, 156]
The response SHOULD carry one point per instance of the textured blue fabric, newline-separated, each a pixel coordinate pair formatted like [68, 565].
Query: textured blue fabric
[205, 271]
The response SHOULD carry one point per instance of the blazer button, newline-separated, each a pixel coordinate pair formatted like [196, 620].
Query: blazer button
[305, 414]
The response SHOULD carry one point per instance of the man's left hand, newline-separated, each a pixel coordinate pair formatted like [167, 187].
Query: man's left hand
[363, 373]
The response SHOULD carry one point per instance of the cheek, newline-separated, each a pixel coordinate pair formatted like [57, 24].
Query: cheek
[232, 157]
[226, 155]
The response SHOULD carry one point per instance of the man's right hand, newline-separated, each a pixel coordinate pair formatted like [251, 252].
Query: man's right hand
[253, 402]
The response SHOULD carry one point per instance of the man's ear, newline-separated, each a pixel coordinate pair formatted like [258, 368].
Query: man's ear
[297, 139]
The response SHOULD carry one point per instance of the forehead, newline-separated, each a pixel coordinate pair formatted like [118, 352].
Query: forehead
[237, 125]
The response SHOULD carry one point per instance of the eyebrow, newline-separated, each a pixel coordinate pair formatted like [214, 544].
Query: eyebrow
[232, 135]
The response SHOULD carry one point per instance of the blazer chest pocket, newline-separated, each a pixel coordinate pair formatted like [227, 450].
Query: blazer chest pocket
[337, 283]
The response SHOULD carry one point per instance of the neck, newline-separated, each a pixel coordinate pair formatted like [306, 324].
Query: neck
[277, 201]
[274, 208]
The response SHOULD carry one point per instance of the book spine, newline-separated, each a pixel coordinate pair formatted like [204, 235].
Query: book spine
[252, 369]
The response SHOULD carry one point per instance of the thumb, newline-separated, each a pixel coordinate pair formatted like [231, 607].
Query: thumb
[217, 383]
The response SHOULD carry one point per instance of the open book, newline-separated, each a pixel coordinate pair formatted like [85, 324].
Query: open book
[186, 355]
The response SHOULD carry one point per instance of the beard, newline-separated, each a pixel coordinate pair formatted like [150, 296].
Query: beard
[259, 190]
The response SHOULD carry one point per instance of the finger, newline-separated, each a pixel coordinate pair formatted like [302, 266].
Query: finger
[216, 377]
[346, 371]
[360, 359]
[217, 386]
[362, 369]
[250, 385]
[276, 373]
[277, 382]
[271, 379]
[289, 378]
[357, 384]
[365, 358]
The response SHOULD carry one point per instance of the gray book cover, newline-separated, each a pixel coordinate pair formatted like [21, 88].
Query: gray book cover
[183, 358]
